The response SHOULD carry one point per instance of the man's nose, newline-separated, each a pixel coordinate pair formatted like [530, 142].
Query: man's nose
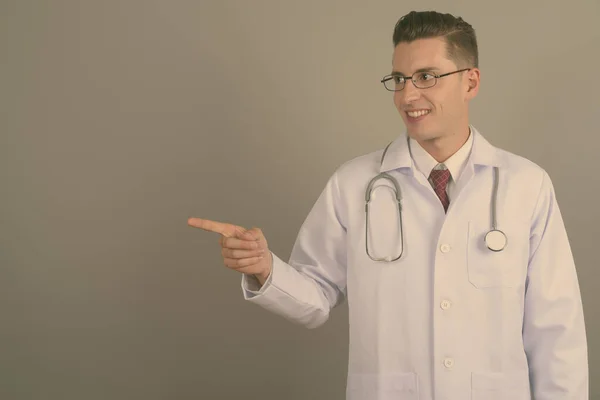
[410, 93]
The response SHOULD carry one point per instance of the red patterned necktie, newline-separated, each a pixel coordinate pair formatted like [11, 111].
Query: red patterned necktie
[439, 179]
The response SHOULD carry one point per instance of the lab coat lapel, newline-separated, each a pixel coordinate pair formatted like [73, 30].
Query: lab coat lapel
[398, 157]
[483, 155]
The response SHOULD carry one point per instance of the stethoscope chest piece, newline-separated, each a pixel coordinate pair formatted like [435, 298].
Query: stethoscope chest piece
[495, 240]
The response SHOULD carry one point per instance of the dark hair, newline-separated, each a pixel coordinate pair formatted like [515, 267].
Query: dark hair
[461, 42]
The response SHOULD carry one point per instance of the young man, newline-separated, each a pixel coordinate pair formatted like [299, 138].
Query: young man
[438, 307]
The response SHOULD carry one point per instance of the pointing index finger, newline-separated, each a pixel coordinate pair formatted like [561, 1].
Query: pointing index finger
[225, 229]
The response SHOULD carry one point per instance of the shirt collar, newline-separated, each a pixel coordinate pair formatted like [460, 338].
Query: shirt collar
[398, 154]
[425, 163]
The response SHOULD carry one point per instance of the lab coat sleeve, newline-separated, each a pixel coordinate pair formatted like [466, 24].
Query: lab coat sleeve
[553, 329]
[305, 289]
[251, 286]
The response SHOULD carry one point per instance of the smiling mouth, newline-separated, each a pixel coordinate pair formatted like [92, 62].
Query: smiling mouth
[417, 114]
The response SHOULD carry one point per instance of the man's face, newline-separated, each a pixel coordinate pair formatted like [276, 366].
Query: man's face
[436, 111]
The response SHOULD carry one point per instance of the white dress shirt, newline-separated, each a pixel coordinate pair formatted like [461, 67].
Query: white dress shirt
[456, 163]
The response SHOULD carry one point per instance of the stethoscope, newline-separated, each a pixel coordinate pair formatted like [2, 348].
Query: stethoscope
[495, 239]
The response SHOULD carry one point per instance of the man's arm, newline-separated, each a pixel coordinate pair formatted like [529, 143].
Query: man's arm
[554, 330]
[306, 288]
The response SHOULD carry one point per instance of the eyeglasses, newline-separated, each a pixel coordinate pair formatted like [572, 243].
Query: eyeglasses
[421, 80]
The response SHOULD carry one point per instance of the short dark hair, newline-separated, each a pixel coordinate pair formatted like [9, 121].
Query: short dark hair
[461, 42]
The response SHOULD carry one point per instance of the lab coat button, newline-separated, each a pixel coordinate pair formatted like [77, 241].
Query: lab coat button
[445, 304]
[445, 248]
[448, 363]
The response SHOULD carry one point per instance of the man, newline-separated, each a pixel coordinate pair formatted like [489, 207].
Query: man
[437, 310]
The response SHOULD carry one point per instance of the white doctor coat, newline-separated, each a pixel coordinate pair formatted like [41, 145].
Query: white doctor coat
[449, 320]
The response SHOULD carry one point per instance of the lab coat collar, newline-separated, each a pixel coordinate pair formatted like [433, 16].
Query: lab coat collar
[398, 153]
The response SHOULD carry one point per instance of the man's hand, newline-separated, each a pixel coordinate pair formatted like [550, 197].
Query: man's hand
[243, 250]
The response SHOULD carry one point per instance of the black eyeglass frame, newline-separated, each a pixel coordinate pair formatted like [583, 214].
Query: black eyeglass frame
[436, 76]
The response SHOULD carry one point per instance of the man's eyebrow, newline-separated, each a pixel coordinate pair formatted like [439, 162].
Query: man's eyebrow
[426, 69]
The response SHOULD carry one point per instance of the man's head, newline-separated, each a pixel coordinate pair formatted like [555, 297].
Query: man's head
[426, 45]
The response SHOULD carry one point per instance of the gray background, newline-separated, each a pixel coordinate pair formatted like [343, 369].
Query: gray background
[121, 119]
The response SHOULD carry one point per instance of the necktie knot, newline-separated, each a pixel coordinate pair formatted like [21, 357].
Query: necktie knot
[439, 180]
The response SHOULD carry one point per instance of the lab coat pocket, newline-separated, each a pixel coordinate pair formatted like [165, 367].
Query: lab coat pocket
[388, 386]
[512, 385]
[506, 268]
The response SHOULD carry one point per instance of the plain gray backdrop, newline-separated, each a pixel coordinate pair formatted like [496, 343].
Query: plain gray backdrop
[121, 119]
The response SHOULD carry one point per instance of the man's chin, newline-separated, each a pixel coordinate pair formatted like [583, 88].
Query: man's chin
[421, 134]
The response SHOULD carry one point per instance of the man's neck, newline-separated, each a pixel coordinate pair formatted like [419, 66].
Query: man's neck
[444, 147]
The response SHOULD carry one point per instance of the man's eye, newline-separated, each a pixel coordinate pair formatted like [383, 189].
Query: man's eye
[425, 76]
[398, 79]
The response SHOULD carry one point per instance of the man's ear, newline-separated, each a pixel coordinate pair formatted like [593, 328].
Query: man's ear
[473, 81]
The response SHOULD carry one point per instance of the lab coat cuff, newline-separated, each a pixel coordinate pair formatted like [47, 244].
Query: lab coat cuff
[251, 286]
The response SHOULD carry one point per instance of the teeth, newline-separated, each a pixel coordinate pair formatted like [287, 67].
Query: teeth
[415, 114]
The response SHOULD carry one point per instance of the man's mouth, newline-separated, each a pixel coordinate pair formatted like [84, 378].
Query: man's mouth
[418, 113]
